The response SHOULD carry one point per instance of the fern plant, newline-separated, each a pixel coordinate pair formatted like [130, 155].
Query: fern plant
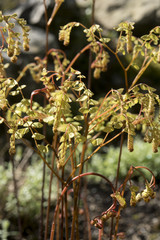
[96, 122]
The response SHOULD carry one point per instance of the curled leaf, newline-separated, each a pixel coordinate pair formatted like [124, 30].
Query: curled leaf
[119, 198]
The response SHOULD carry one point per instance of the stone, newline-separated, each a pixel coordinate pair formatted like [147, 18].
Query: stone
[109, 13]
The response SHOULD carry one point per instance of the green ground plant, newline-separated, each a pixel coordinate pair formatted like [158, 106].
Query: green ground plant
[74, 118]
[108, 160]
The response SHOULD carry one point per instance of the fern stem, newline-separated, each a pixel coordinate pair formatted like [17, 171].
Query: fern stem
[76, 57]
[143, 69]
[90, 52]
[116, 184]
[42, 202]
[66, 217]
[50, 187]
[16, 197]
[64, 191]
[62, 206]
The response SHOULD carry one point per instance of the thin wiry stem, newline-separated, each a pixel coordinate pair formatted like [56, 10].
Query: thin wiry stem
[55, 10]
[50, 188]
[42, 202]
[90, 52]
[76, 57]
[62, 207]
[16, 197]
[117, 177]
[87, 212]
[66, 217]
[44, 133]
[65, 190]
[47, 27]
[143, 69]
[77, 188]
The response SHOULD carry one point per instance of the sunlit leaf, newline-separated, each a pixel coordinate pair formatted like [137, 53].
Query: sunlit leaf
[48, 119]
[78, 117]
[71, 134]
[14, 93]
[37, 125]
[97, 141]
[93, 109]
[80, 139]
[3, 103]
[148, 45]
[79, 88]
[20, 132]
[69, 119]
[1, 120]
[42, 148]
[84, 110]
[28, 124]
[93, 102]
[82, 98]
[119, 198]
[145, 37]
[21, 87]
[134, 188]
[108, 129]
[136, 66]
[62, 127]
[104, 40]
[88, 93]
[38, 136]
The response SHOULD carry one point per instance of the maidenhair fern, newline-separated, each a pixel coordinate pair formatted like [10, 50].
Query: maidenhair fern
[71, 113]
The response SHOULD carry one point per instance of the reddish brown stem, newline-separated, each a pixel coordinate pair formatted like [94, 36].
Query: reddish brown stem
[76, 57]
[50, 188]
[64, 191]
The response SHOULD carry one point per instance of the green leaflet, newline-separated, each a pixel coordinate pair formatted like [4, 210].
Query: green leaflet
[97, 141]
[119, 198]
[37, 125]
[48, 119]
[62, 127]
[42, 148]
[84, 110]
[79, 117]
[92, 102]
[38, 136]
[3, 103]
[82, 98]
[20, 132]
[14, 93]
[104, 40]
[21, 87]
[1, 120]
